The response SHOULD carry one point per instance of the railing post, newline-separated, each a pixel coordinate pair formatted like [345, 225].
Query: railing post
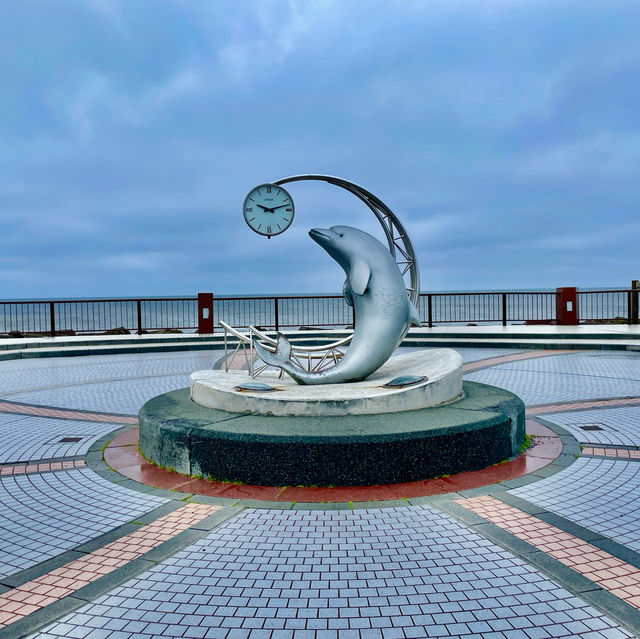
[429, 310]
[275, 313]
[205, 313]
[635, 288]
[567, 306]
[139, 311]
[52, 319]
[504, 309]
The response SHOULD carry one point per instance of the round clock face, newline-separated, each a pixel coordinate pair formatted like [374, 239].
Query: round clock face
[268, 209]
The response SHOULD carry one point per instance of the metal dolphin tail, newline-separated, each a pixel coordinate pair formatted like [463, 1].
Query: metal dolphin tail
[282, 359]
[282, 355]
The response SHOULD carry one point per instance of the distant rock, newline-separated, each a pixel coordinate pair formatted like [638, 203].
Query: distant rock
[162, 331]
[121, 330]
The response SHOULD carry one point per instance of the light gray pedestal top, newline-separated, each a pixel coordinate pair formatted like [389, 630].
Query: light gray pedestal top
[441, 366]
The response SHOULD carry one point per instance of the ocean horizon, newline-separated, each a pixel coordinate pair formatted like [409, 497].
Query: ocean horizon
[312, 294]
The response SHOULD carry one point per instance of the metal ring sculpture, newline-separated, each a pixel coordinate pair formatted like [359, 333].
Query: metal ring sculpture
[397, 237]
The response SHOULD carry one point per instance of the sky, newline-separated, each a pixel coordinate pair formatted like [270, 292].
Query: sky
[504, 134]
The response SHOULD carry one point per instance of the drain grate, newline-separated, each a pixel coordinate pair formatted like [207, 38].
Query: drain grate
[66, 439]
[594, 426]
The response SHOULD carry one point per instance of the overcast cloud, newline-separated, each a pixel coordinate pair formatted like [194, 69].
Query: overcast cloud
[504, 134]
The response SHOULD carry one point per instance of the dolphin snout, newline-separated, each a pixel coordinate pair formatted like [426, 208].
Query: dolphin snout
[321, 236]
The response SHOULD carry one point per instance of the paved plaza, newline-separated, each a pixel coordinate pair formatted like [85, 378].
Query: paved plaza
[550, 551]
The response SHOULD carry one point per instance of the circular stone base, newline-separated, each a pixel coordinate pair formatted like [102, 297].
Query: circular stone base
[441, 369]
[483, 428]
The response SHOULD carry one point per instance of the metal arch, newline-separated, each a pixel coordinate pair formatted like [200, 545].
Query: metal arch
[397, 237]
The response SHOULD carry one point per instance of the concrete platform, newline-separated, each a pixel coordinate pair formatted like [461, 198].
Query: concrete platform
[483, 428]
[561, 543]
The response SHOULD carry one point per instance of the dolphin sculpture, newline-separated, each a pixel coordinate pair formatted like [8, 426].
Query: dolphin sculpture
[383, 310]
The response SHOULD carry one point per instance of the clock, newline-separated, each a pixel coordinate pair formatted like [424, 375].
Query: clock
[268, 209]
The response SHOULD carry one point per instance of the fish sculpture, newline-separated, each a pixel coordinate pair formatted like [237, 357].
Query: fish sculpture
[383, 310]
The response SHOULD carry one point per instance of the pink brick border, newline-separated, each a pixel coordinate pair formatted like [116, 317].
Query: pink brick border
[585, 405]
[618, 453]
[64, 413]
[40, 467]
[515, 357]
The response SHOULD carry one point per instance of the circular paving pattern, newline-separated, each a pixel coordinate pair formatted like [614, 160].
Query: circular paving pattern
[96, 542]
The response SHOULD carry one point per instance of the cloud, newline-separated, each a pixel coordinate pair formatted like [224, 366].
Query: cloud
[96, 100]
[503, 134]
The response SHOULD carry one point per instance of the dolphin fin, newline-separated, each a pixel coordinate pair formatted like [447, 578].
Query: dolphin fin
[282, 354]
[359, 277]
[347, 294]
[414, 316]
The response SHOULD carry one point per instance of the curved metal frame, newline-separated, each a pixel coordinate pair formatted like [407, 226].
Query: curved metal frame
[310, 358]
[397, 237]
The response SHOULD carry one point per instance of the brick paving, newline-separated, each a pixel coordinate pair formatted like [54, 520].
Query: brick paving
[398, 572]
[613, 425]
[600, 494]
[61, 582]
[34, 437]
[43, 515]
[617, 576]
[112, 384]
[570, 377]
[403, 572]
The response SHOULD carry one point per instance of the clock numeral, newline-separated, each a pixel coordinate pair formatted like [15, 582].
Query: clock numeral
[251, 219]
[288, 210]
[259, 226]
[279, 228]
[286, 220]
[268, 229]
[268, 189]
[249, 209]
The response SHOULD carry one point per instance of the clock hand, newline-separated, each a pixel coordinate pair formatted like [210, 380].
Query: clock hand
[266, 209]
[279, 207]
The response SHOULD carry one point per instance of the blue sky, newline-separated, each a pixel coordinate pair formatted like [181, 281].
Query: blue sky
[504, 134]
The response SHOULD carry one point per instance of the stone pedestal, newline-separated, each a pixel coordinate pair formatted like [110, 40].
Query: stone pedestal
[472, 426]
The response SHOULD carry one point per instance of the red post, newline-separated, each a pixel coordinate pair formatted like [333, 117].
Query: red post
[567, 305]
[205, 313]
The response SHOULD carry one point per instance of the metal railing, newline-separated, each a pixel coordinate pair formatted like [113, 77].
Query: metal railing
[503, 308]
[59, 317]
[284, 311]
[608, 306]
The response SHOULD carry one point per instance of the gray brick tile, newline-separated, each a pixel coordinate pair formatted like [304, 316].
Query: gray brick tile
[439, 601]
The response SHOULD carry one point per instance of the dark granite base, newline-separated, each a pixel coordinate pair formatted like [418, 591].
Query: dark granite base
[483, 428]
